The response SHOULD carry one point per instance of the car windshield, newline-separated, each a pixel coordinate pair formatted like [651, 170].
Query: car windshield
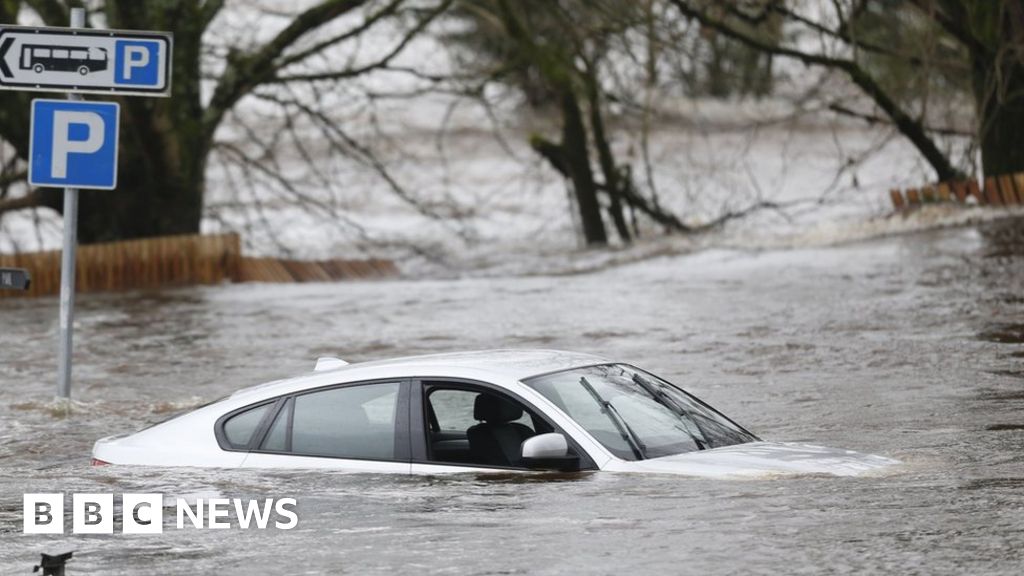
[637, 415]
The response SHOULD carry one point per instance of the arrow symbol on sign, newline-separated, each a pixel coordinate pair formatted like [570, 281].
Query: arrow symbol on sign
[3, 57]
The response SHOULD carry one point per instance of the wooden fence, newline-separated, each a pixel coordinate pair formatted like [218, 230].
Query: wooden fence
[179, 261]
[1004, 190]
[278, 270]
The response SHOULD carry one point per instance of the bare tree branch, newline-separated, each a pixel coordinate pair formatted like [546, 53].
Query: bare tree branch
[8, 178]
[379, 64]
[389, 10]
[907, 125]
[30, 200]
[951, 15]
[246, 71]
[874, 119]
[208, 11]
[52, 12]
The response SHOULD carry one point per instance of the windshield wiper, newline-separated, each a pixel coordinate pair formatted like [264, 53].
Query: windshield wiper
[638, 448]
[671, 404]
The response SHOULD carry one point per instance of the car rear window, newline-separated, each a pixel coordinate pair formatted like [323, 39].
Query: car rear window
[239, 428]
[348, 422]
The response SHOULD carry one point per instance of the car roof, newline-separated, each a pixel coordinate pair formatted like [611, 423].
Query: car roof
[515, 364]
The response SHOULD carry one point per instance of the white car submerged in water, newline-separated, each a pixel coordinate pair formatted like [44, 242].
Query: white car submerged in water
[473, 412]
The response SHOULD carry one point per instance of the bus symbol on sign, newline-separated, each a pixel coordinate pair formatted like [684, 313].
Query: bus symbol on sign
[62, 59]
[76, 60]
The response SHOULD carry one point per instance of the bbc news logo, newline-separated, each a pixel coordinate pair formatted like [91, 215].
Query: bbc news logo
[144, 513]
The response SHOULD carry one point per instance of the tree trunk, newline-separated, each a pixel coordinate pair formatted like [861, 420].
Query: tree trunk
[153, 198]
[999, 96]
[577, 162]
[605, 158]
[163, 148]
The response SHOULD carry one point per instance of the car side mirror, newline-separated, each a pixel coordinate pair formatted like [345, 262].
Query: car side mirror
[549, 452]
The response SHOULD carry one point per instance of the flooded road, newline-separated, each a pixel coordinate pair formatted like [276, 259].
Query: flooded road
[909, 347]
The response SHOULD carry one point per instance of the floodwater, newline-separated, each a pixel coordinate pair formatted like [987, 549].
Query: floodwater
[911, 347]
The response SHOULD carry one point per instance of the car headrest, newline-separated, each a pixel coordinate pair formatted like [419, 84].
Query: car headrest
[490, 408]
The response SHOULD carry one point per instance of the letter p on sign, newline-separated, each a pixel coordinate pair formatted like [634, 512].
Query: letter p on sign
[74, 144]
[138, 63]
[63, 146]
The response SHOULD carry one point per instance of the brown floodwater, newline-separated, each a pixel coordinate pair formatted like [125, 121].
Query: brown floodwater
[911, 347]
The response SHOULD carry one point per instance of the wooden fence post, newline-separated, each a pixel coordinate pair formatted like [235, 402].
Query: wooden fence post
[974, 190]
[1009, 195]
[992, 191]
[960, 190]
[928, 194]
[897, 199]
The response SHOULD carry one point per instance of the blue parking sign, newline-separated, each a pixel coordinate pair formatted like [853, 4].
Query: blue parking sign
[137, 62]
[73, 144]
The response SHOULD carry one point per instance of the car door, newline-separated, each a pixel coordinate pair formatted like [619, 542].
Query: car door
[443, 415]
[359, 427]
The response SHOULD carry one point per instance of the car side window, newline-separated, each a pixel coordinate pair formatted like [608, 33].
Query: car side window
[453, 410]
[347, 422]
[477, 427]
[238, 429]
[277, 438]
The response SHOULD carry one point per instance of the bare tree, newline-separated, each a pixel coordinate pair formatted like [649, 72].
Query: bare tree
[989, 37]
[557, 54]
[167, 144]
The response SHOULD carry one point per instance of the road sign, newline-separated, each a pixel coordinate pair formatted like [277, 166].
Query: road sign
[14, 279]
[73, 144]
[75, 60]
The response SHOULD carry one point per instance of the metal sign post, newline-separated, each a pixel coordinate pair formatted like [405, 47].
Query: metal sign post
[67, 264]
[74, 144]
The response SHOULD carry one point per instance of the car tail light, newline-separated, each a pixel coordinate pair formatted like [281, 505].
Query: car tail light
[98, 462]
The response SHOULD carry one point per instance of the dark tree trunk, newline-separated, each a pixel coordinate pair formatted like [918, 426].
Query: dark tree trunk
[1000, 130]
[577, 163]
[998, 84]
[163, 147]
[154, 197]
[609, 169]
[571, 157]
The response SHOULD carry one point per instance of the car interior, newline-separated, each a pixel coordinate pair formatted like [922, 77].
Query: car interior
[476, 427]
